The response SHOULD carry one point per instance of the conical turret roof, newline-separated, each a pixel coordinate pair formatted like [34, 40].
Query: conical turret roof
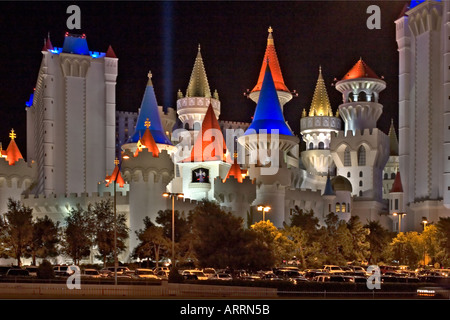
[12, 152]
[271, 59]
[235, 171]
[147, 141]
[198, 83]
[397, 185]
[320, 105]
[268, 114]
[210, 144]
[360, 70]
[149, 112]
[393, 141]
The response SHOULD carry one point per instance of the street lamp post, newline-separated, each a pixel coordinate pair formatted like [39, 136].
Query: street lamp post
[173, 195]
[264, 209]
[400, 217]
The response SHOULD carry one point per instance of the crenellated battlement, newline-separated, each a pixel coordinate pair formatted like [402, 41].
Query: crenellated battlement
[356, 133]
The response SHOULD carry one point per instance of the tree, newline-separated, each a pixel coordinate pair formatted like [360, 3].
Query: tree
[306, 221]
[78, 234]
[164, 218]
[234, 248]
[378, 239]
[407, 248]
[443, 229]
[152, 244]
[16, 228]
[431, 241]
[102, 213]
[45, 239]
[273, 239]
[358, 235]
[299, 239]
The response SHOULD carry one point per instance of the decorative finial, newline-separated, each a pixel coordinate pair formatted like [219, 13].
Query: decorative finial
[270, 29]
[320, 68]
[12, 135]
[149, 74]
[235, 155]
[199, 48]
[116, 161]
[147, 123]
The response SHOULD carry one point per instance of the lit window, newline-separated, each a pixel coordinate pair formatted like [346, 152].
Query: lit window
[343, 206]
[338, 207]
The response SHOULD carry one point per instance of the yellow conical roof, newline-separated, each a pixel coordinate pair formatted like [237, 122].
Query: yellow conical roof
[320, 105]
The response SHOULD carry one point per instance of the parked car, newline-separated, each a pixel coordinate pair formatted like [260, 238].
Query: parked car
[145, 274]
[163, 274]
[64, 270]
[4, 270]
[270, 276]
[197, 273]
[332, 269]
[221, 276]
[17, 272]
[91, 273]
[333, 278]
[120, 269]
[209, 272]
[32, 270]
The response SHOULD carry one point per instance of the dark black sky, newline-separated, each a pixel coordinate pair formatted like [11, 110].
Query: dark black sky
[163, 37]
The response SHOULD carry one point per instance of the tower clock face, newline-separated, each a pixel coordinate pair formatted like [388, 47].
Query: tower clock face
[200, 175]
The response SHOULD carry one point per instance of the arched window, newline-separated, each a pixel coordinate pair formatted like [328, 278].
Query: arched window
[361, 156]
[197, 126]
[362, 96]
[186, 126]
[386, 176]
[343, 207]
[360, 174]
[349, 174]
[360, 193]
[338, 207]
[321, 145]
[311, 146]
[393, 175]
[347, 159]
[360, 183]
[348, 207]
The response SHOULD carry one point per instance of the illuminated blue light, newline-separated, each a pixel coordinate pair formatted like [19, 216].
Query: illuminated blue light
[268, 115]
[415, 3]
[29, 103]
[75, 44]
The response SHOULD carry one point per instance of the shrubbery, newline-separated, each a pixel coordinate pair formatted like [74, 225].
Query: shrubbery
[45, 270]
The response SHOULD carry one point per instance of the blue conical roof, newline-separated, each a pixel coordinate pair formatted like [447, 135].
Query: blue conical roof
[268, 114]
[328, 188]
[149, 110]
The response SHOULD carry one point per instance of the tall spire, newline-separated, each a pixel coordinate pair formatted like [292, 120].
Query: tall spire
[149, 111]
[271, 58]
[320, 105]
[268, 114]
[235, 171]
[198, 83]
[393, 141]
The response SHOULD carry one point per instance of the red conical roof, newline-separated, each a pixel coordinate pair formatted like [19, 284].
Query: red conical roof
[110, 53]
[397, 186]
[147, 141]
[116, 177]
[235, 171]
[210, 144]
[12, 152]
[271, 56]
[360, 70]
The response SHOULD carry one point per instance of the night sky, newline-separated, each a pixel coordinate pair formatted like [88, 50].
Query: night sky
[163, 37]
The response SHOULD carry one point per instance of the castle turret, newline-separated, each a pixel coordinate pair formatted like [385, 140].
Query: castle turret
[269, 139]
[271, 59]
[361, 151]
[192, 107]
[316, 129]
[149, 114]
